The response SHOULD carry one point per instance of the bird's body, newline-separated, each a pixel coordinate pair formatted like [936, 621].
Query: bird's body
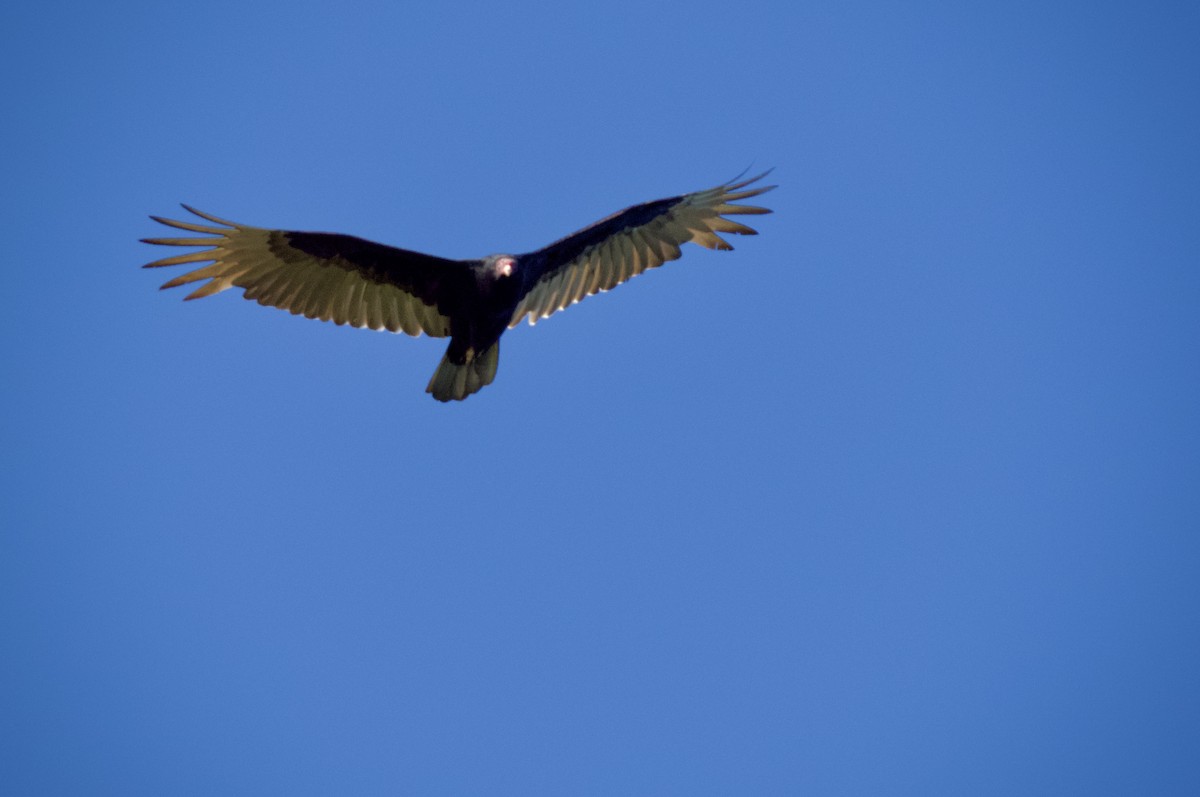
[350, 280]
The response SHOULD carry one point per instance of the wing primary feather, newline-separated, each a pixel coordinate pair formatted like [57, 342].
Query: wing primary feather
[190, 257]
[725, 225]
[187, 225]
[215, 286]
[193, 276]
[733, 185]
[710, 240]
[180, 241]
[727, 197]
[741, 210]
[210, 217]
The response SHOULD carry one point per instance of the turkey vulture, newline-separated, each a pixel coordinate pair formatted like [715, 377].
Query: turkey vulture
[353, 281]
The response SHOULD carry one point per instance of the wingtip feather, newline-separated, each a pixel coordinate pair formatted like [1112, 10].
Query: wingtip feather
[209, 216]
[178, 260]
[733, 196]
[186, 225]
[179, 241]
[214, 286]
[741, 210]
[737, 182]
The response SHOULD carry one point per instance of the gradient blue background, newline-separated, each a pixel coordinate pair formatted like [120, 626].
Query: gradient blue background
[901, 497]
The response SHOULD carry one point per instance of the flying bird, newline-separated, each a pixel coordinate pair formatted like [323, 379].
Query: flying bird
[350, 280]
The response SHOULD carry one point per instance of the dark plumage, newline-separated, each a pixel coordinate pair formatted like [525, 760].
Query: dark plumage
[349, 280]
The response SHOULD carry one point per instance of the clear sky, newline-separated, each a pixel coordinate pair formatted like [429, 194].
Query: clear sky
[900, 497]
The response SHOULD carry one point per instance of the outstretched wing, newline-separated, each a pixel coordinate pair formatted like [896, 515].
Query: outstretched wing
[332, 277]
[625, 244]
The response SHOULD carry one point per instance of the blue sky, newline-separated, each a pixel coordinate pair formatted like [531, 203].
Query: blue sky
[898, 498]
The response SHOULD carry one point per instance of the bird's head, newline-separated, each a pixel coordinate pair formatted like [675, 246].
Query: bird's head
[503, 266]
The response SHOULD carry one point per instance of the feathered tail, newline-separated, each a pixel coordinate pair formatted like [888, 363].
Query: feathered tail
[455, 381]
